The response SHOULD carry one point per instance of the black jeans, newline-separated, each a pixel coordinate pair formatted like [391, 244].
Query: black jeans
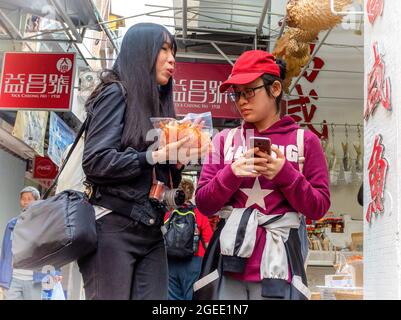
[130, 262]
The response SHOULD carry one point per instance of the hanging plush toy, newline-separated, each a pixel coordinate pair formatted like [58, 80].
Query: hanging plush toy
[315, 15]
[305, 19]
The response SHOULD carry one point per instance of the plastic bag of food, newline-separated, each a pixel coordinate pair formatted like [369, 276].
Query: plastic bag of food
[198, 127]
[201, 120]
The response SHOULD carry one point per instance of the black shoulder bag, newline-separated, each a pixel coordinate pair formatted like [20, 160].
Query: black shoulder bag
[57, 230]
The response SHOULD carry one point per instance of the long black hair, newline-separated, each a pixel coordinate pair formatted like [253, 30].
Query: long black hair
[135, 70]
[269, 79]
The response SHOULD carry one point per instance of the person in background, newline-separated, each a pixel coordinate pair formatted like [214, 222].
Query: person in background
[184, 272]
[19, 284]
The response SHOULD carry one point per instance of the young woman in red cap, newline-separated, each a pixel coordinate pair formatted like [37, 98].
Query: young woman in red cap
[261, 198]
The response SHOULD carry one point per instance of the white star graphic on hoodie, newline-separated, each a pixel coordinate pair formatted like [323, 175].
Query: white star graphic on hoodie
[256, 195]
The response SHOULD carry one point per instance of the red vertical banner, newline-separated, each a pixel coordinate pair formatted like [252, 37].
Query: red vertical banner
[379, 87]
[377, 168]
[374, 9]
[37, 81]
[303, 106]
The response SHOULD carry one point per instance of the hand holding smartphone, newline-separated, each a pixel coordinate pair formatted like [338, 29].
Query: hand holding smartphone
[264, 144]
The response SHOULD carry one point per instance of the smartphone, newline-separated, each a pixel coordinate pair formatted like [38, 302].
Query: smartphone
[264, 144]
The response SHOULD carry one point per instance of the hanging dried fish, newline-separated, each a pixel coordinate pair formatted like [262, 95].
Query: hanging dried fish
[346, 157]
[358, 161]
[358, 150]
[325, 143]
[333, 163]
[332, 159]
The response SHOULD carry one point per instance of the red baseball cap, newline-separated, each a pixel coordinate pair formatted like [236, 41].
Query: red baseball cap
[250, 66]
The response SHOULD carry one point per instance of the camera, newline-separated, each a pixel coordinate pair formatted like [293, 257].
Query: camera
[160, 193]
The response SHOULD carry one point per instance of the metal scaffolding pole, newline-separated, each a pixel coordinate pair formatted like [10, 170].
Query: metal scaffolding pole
[222, 53]
[88, 26]
[67, 20]
[329, 98]
[247, 5]
[331, 124]
[256, 15]
[235, 44]
[284, 23]
[39, 40]
[269, 24]
[214, 30]
[204, 56]
[336, 71]
[184, 18]
[262, 17]
[11, 29]
[212, 19]
[105, 27]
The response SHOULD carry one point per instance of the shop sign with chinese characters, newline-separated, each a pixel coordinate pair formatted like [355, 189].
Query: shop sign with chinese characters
[196, 89]
[379, 87]
[377, 169]
[37, 81]
[303, 108]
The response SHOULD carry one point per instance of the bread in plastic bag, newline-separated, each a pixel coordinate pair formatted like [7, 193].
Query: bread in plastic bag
[198, 127]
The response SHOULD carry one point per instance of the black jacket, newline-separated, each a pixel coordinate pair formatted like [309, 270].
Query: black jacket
[122, 178]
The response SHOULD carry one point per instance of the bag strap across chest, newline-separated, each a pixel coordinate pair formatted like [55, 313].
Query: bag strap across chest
[301, 147]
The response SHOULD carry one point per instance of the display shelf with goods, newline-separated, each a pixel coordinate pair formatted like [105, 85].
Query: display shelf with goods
[347, 282]
[342, 281]
[341, 293]
[326, 258]
[330, 234]
[335, 257]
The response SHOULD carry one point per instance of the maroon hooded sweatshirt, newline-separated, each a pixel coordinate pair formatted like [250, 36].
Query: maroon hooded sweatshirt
[289, 191]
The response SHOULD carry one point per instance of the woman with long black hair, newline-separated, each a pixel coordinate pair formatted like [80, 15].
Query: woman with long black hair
[130, 260]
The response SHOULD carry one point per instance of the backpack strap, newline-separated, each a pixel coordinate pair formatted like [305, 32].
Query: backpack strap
[184, 213]
[229, 141]
[178, 212]
[301, 151]
[301, 161]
